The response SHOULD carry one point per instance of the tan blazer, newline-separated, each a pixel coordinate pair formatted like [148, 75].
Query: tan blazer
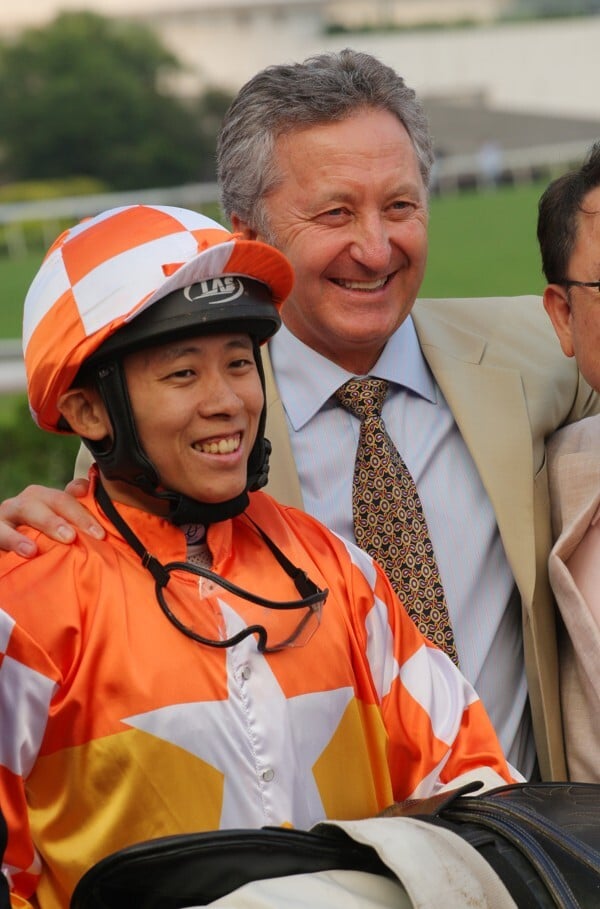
[509, 386]
[501, 370]
[574, 474]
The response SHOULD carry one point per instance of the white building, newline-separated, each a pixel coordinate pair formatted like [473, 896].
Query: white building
[545, 67]
[287, 12]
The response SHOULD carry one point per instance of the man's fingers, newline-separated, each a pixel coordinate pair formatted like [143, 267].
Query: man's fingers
[55, 513]
[78, 487]
[13, 541]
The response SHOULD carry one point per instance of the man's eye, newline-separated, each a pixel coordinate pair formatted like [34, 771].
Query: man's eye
[334, 213]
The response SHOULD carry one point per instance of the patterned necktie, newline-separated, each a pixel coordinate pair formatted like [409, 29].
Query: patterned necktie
[388, 516]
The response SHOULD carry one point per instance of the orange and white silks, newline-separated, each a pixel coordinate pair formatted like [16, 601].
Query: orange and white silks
[116, 728]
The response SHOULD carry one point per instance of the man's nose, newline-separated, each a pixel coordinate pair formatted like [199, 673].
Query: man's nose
[371, 244]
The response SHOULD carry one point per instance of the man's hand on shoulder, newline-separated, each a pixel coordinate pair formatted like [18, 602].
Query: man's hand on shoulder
[55, 512]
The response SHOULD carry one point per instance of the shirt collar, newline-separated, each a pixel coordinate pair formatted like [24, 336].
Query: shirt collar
[306, 380]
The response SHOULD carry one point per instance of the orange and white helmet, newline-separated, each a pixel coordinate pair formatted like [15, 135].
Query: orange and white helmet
[100, 275]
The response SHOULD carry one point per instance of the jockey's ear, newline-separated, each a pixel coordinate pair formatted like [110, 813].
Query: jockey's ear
[84, 411]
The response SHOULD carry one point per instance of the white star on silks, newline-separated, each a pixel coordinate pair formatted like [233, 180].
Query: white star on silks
[256, 728]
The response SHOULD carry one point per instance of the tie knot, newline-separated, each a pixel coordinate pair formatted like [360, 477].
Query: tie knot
[363, 397]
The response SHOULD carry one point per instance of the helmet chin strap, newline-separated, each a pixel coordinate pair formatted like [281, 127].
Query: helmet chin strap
[183, 510]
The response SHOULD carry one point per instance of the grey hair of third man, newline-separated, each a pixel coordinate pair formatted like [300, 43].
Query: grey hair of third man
[559, 208]
[281, 98]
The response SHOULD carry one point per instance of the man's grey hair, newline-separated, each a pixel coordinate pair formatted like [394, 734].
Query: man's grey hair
[324, 88]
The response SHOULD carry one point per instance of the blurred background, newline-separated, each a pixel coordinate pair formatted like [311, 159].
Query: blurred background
[113, 101]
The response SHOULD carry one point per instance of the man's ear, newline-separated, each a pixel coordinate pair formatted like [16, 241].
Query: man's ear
[84, 411]
[558, 307]
[242, 227]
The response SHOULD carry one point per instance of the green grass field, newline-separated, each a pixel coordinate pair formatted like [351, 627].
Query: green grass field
[481, 244]
[484, 244]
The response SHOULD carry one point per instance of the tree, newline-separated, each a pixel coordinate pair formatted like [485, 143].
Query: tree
[88, 95]
[30, 455]
[210, 110]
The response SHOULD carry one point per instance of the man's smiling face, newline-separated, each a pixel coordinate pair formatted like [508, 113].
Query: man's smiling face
[351, 215]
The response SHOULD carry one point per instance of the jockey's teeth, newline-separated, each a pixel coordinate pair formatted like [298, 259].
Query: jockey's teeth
[223, 446]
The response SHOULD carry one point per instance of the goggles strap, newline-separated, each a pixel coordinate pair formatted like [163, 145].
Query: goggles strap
[156, 569]
[311, 594]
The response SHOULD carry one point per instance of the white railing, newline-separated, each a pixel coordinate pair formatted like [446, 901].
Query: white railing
[522, 164]
[189, 195]
[12, 368]
[449, 172]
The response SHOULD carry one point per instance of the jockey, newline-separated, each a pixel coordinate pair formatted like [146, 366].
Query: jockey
[217, 660]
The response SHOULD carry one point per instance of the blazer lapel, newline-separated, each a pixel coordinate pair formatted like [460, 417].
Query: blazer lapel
[489, 406]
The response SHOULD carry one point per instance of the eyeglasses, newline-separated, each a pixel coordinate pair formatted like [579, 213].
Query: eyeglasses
[567, 283]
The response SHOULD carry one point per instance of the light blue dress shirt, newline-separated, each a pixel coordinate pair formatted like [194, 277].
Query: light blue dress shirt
[482, 599]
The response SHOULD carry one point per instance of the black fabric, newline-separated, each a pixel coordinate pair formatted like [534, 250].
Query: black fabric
[179, 871]
[4, 898]
[542, 839]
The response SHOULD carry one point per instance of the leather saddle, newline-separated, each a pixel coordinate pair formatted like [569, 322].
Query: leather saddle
[542, 839]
